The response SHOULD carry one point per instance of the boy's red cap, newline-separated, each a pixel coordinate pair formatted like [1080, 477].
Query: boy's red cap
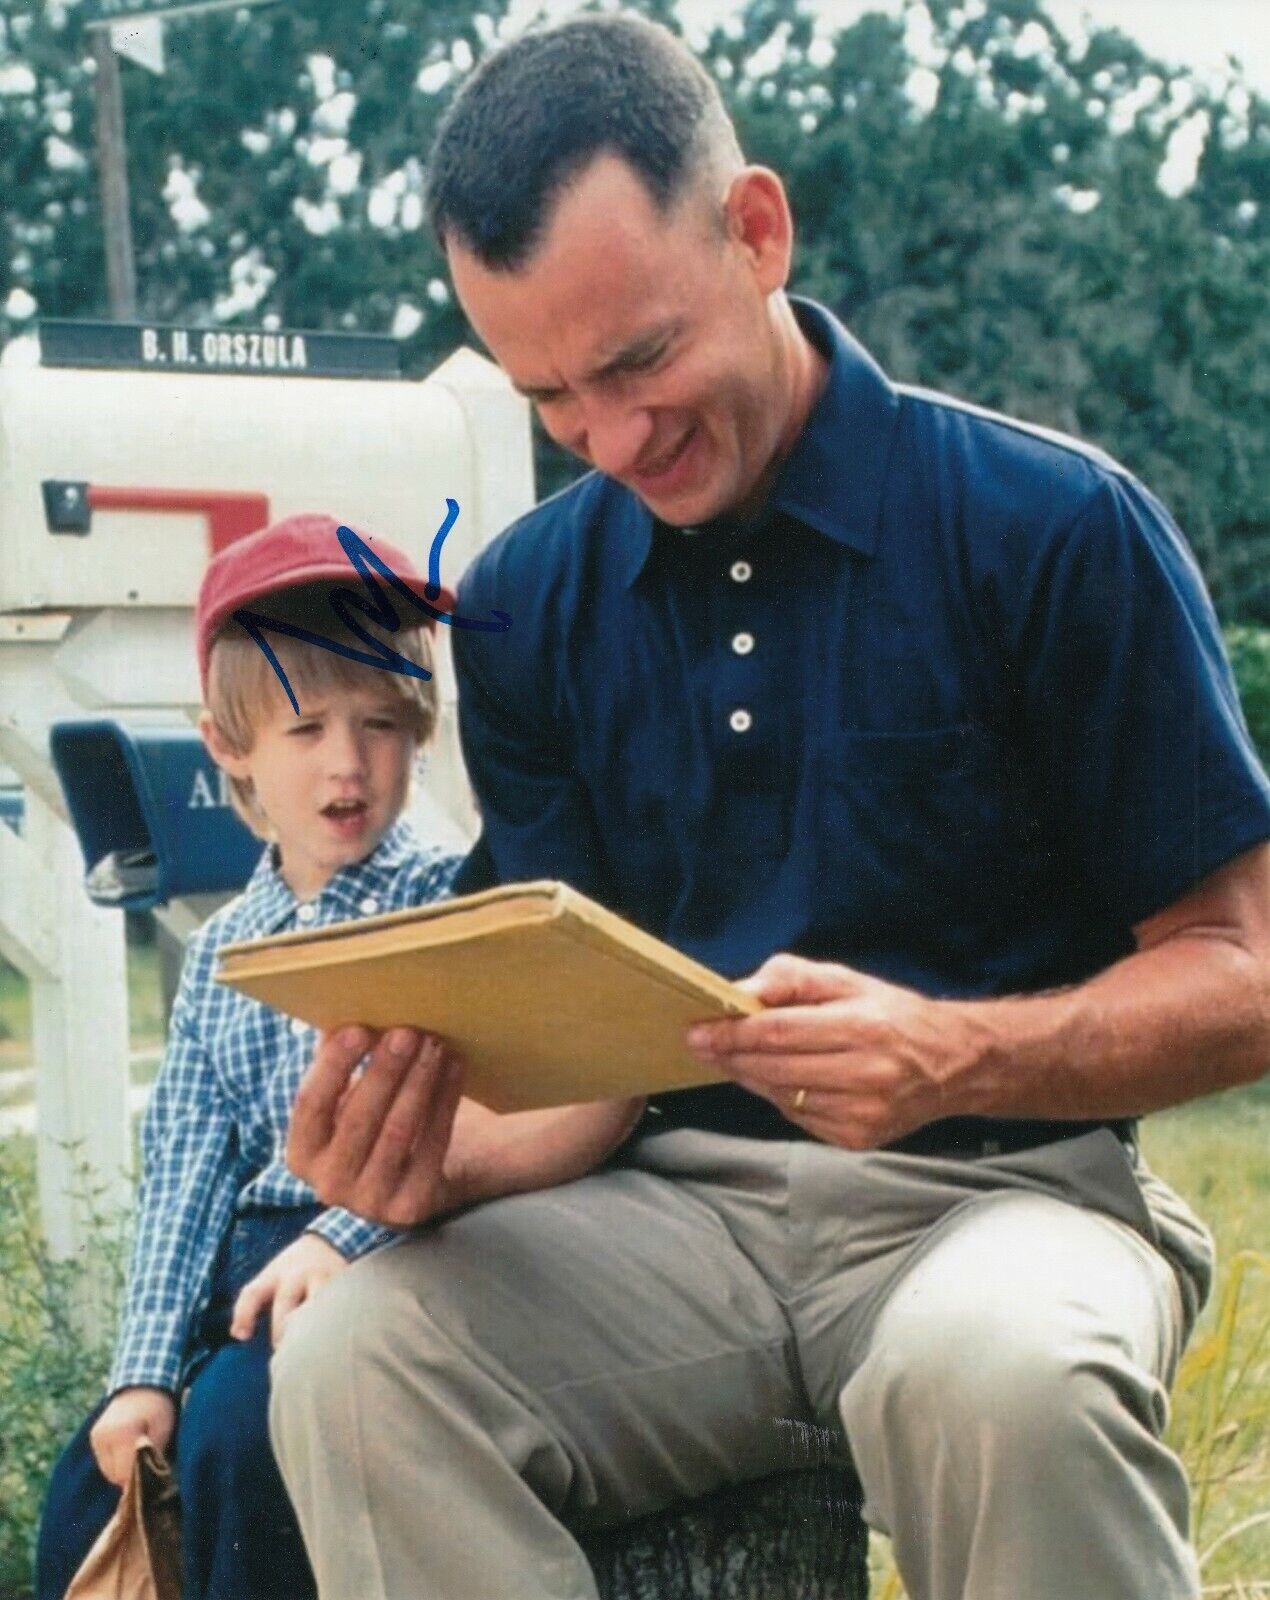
[304, 548]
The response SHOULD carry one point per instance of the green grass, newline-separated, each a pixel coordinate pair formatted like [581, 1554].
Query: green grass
[1216, 1153]
[145, 1009]
[15, 1012]
[145, 1002]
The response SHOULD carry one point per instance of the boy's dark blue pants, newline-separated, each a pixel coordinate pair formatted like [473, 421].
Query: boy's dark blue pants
[238, 1532]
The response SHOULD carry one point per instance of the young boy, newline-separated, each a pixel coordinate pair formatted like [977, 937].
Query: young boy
[218, 1209]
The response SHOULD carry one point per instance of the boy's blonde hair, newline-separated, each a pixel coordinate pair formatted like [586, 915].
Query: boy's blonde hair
[243, 688]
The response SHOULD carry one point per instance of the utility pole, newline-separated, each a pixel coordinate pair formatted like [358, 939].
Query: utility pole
[133, 28]
[112, 176]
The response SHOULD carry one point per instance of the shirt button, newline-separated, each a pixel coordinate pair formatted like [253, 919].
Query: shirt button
[369, 905]
[740, 721]
[298, 1027]
[740, 572]
[743, 643]
[306, 912]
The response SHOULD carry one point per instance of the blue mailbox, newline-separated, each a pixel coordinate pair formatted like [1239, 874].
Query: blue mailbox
[152, 813]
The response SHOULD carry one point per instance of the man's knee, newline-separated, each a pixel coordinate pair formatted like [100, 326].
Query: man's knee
[1008, 1375]
[363, 1347]
[325, 1343]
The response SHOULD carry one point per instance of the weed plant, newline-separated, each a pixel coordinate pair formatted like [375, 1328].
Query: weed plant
[57, 1326]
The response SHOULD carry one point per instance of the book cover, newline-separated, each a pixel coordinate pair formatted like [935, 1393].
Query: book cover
[550, 997]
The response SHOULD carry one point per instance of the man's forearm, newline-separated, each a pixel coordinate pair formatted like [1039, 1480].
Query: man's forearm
[860, 1062]
[1185, 1018]
[492, 1154]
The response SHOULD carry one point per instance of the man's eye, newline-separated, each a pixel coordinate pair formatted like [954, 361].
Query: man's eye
[389, 724]
[646, 360]
[298, 728]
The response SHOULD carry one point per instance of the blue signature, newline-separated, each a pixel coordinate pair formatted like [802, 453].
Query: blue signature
[375, 605]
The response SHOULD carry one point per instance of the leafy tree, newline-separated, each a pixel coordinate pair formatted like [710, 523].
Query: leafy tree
[253, 163]
[977, 196]
[1011, 242]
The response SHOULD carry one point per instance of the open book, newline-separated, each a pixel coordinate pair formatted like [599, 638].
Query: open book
[550, 998]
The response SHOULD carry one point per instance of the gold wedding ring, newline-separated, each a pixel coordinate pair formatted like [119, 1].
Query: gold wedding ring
[800, 1100]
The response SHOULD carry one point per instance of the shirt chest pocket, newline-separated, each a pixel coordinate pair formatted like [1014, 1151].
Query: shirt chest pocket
[910, 834]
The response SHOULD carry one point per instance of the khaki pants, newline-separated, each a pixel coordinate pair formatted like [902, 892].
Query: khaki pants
[994, 1337]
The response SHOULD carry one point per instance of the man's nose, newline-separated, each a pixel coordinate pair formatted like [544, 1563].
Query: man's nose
[616, 437]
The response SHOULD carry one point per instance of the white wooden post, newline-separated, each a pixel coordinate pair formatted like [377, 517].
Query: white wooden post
[79, 1018]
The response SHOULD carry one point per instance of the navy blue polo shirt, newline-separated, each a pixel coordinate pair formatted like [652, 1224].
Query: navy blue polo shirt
[954, 710]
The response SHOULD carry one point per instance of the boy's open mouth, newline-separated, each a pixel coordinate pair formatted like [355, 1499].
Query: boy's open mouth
[342, 810]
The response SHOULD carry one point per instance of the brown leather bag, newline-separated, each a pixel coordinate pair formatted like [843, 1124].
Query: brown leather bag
[138, 1553]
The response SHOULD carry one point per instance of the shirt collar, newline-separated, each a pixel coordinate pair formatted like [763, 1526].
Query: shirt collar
[268, 902]
[348, 892]
[834, 476]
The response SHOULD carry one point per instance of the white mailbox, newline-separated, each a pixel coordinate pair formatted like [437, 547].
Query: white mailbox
[115, 487]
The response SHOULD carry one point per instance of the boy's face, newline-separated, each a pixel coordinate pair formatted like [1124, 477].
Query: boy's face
[331, 781]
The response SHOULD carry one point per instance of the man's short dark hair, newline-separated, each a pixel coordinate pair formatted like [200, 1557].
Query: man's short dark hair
[539, 110]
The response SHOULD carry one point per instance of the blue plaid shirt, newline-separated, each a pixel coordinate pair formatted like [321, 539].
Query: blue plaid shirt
[214, 1133]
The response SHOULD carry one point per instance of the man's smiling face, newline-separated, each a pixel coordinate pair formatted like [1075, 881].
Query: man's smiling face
[645, 340]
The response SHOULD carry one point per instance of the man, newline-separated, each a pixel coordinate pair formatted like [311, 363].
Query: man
[924, 715]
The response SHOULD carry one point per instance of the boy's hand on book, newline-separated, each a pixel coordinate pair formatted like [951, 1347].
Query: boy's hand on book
[292, 1277]
[130, 1416]
[375, 1143]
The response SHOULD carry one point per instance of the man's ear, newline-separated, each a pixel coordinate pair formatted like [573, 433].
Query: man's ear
[237, 766]
[756, 211]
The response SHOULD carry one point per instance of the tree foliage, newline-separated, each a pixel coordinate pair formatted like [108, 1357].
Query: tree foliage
[1012, 245]
[980, 198]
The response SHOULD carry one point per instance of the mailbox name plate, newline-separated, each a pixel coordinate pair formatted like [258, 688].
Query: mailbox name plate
[281, 352]
[97, 12]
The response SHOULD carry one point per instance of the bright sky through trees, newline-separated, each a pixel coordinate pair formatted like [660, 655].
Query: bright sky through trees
[1193, 33]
